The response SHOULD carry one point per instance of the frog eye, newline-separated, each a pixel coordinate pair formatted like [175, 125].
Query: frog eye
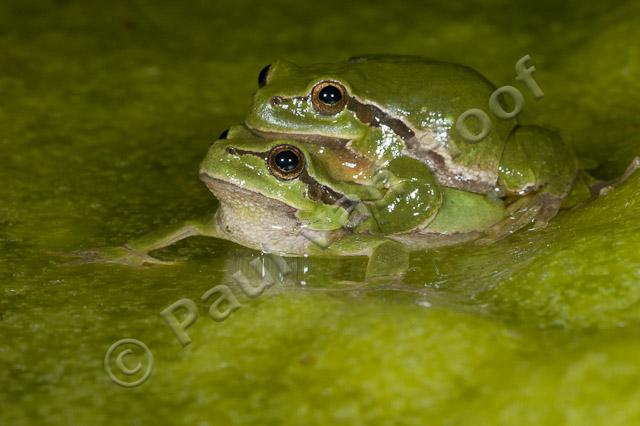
[329, 97]
[285, 162]
[262, 77]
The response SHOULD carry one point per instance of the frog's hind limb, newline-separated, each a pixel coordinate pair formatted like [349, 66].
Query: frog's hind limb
[541, 169]
[533, 209]
[602, 187]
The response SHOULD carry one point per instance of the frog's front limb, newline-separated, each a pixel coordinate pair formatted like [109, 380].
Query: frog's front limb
[388, 259]
[136, 252]
[410, 200]
[540, 168]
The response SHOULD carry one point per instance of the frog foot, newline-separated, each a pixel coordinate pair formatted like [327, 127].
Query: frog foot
[602, 188]
[549, 206]
[119, 255]
[535, 211]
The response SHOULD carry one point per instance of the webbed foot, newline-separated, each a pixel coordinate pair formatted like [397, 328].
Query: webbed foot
[532, 211]
[601, 188]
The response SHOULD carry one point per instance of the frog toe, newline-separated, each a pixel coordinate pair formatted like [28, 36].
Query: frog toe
[532, 212]
[115, 255]
[549, 206]
[631, 168]
[602, 188]
[78, 257]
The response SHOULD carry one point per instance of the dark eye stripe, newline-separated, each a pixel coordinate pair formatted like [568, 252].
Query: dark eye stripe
[320, 192]
[316, 190]
[376, 117]
[371, 115]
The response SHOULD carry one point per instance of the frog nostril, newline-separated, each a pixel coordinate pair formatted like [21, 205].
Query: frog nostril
[276, 100]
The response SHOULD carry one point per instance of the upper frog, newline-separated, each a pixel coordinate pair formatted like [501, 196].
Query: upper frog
[383, 107]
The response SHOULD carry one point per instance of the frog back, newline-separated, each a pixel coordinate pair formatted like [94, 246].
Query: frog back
[421, 99]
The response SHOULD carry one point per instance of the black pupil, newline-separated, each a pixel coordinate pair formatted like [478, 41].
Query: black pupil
[287, 160]
[330, 95]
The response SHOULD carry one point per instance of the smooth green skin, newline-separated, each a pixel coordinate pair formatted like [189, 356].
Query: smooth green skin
[426, 94]
[535, 156]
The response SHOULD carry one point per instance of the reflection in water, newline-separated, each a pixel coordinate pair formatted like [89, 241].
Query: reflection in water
[456, 278]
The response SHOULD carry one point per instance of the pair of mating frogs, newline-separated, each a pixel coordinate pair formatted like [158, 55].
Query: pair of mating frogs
[362, 158]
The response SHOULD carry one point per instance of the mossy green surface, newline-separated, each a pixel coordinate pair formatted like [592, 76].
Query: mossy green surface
[105, 113]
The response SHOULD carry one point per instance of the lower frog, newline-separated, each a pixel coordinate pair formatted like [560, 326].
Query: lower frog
[296, 198]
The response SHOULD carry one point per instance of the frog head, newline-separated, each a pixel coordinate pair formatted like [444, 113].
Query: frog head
[310, 102]
[272, 191]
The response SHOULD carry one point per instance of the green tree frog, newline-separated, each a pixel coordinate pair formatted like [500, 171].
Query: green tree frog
[362, 158]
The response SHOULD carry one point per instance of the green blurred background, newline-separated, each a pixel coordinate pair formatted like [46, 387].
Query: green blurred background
[106, 109]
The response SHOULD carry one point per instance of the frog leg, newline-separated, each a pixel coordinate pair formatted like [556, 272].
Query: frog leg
[540, 169]
[410, 198]
[136, 253]
[388, 259]
[581, 191]
[602, 187]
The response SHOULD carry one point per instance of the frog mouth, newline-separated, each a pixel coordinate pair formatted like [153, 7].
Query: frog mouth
[329, 141]
[368, 113]
[230, 194]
